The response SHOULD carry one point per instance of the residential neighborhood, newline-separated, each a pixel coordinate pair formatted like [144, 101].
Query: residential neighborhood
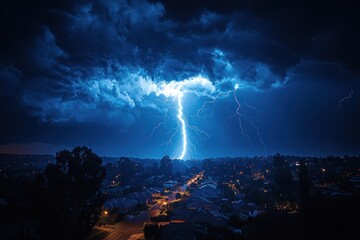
[226, 198]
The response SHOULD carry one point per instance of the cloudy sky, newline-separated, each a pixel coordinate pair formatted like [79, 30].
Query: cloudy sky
[255, 77]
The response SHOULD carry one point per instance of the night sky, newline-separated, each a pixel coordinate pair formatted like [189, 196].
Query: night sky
[256, 77]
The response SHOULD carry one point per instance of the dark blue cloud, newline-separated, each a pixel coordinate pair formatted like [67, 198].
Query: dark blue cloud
[66, 63]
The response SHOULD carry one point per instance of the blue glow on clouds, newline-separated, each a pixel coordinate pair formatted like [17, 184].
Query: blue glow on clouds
[108, 74]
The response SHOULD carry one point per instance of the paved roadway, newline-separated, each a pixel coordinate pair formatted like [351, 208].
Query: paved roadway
[127, 228]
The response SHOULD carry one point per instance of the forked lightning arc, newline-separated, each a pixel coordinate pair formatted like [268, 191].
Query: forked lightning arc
[202, 87]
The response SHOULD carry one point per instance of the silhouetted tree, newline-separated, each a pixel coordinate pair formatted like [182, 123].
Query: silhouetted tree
[177, 176]
[151, 231]
[127, 169]
[235, 221]
[73, 196]
[155, 168]
[166, 166]
[278, 161]
[304, 184]
[282, 177]
[37, 194]
[177, 195]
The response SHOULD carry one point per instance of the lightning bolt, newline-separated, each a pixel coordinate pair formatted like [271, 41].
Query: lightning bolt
[183, 126]
[175, 93]
[203, 113]
[347, 97]
[200, 112]
[160, 124]
[240, 116]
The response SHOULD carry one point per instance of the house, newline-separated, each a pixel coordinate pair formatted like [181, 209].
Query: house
[210, 182]
[182, 214]
[207, 191]
[207, 225]
[207, 219]
[170, 184]
[178, 231]
[143, 196]
[239, 206]
[122, 204]
[201, 203]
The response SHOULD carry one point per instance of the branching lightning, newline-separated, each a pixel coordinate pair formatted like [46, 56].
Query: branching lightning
[238, 113]
[183, 127]
[240, 116]
[347, 97]
[177, 90]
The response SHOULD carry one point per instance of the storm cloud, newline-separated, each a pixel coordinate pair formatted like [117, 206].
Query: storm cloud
[70, 62]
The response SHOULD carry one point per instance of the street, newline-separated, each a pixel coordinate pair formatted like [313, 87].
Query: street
[134, 225]
[126, 228]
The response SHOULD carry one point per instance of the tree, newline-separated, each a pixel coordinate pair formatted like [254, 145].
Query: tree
[304, 184]
[177, 176]
[73, 196]
[282, 176]
[151, 230]
[155, 167]
[166, 166]
[235, 221]
[127, 169]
